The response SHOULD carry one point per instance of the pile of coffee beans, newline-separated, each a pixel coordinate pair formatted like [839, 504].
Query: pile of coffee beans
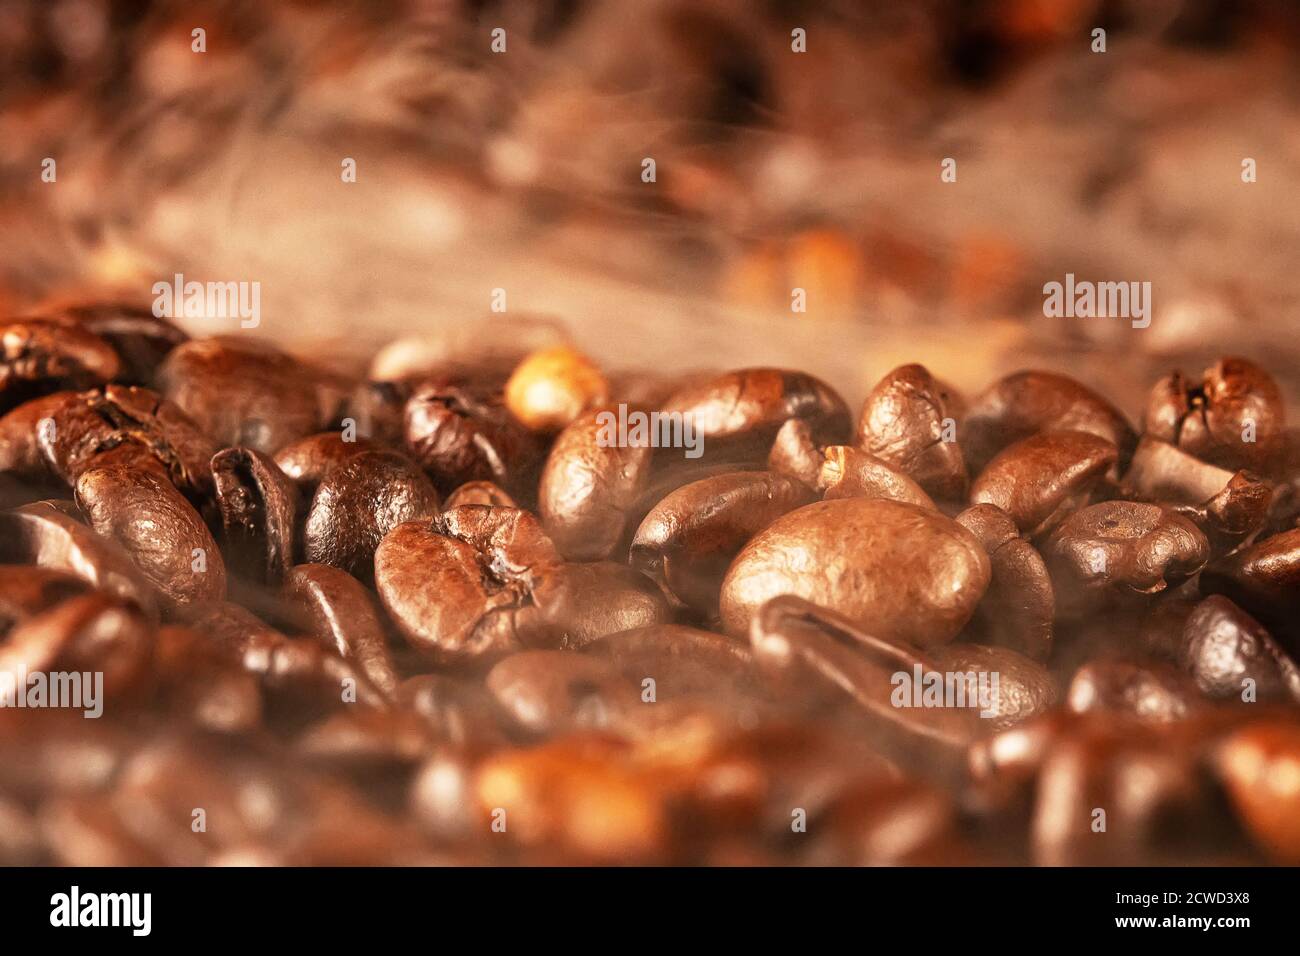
[460, 616]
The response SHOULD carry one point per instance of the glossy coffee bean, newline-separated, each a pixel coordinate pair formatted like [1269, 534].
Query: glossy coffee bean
[39, 356]
[1264, 580]
[259, 508]
[307, 460]
[1231, 656]
[1119, 549]
[1148, 690]
[1234, 416]
[1024, 688]
[343, 616]
[1019, 607]
[587, 490]
[904, 421]
[252, 396]
[479, 493]
[159, 529]
[1026, 403]
[20, 451]
[461, 431]
[688, 540]
[552, 387]
[907, 573]
[359, 502]
[850, 473]
[140, 338]
[795, 454]
[1041, 479]
[549, 692]
[575, 603]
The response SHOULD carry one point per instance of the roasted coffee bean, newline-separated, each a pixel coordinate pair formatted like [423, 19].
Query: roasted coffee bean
[342, 615]
[689, 539]
[904, 422]
[461, 431]
[1118, 549]
[1260, 769]
[1231, 656]
[1019, 607]
[200, 683]
[907, 573]
[309, 459]
[1018, 688]
[1026, 403]
[140, 338]
[378, 409]
[128, 425]
[823, 658]
[256, 397]
[851, 473]
[552, 387]
[1264, 579]
[52, 751]
[453, 586]
[459, 712]
[1145, 689]
[44, 533]
[1041, 479]
[26, 590]
[359, 502]
[83, 831]
[889, 823]
[587, 489]
[259, 509]
[1234, 417]
[20, 450]
[550, 692]
[39, 356]
[479, 493]
[683, 662]
[795, 454]
[575, 603]
[366, 742]
[159, 529]
[738, 414]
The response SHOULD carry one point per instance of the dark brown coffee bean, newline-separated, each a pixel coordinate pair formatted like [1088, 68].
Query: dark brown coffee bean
[689, 539]
[575, 603]
[259, 508]
[202, 684]
[309, 459]
[53, 751]
[1146, 689]
[159, 529]
[453, 586]
[462, 431]
[1042, 478]
[359, 502]
[738, 414]
[460, 712]
[20, 450]
[45, 534]
[1234, 417]
[795, 454]
[1231, 656]
[1019, 688]
[479, 493]
[343, 616]
[908, 573]
[39, 356]
[1260, 768]
[851, 473]
[140, 338]
[378, 409]
[1263, 579]
[904, 421]
[587, 490]
[1019, 607]
[550, 692]
[1026, 403]
[1117, 549]
[242, 395]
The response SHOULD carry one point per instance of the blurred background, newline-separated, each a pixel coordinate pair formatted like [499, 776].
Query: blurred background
[775, 169]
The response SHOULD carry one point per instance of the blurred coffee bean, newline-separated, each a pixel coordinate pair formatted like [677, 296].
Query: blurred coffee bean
[307, 460]
[479, 493]
[368, 742]
[682, 662]
[549, 692]
[1041, 479]
[26, 590]
[1019, 607]
[1260, 769]
[688, 540]
[1234, 416]
[910, 575]
[84, 831]
[39, 356]
[458, 711]
[360, 501]
[1026, 403]
[259, 509]
[1264, 579]
[159, 529]
[1146, 689]
[1117, 549]
[904, 422]
[1231, 656]
[552, 387]
[453, 586]
[140, 338]
[739, 413]
[574, 603]
[252, 396]
[200, 683]
[461, 431]
[378, 408]
[342, 615]
[587, 489]
[44, 534]
[850, 473]
[1019, 687]
[888, 823]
